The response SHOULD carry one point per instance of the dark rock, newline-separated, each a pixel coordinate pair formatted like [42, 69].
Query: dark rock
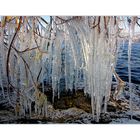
[136, 117]
[105, 118]
[111, 108]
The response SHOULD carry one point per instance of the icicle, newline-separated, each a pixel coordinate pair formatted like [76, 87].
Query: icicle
[89, 54]
[131, 34]
[29, 106]
[129, 74]
[1, 84]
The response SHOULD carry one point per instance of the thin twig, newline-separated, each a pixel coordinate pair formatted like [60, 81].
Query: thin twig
[9, 50]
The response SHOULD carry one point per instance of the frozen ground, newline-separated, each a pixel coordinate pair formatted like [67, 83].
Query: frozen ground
[78, 116]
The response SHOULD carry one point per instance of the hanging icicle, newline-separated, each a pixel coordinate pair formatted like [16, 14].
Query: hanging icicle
[80, 51]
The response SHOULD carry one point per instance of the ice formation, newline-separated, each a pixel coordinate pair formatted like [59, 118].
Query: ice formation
[81, 51]
[131, 34]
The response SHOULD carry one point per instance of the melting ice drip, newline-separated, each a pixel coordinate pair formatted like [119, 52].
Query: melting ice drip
[79, 51]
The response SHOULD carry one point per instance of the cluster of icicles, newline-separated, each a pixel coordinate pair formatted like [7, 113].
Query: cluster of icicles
[80, 53]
